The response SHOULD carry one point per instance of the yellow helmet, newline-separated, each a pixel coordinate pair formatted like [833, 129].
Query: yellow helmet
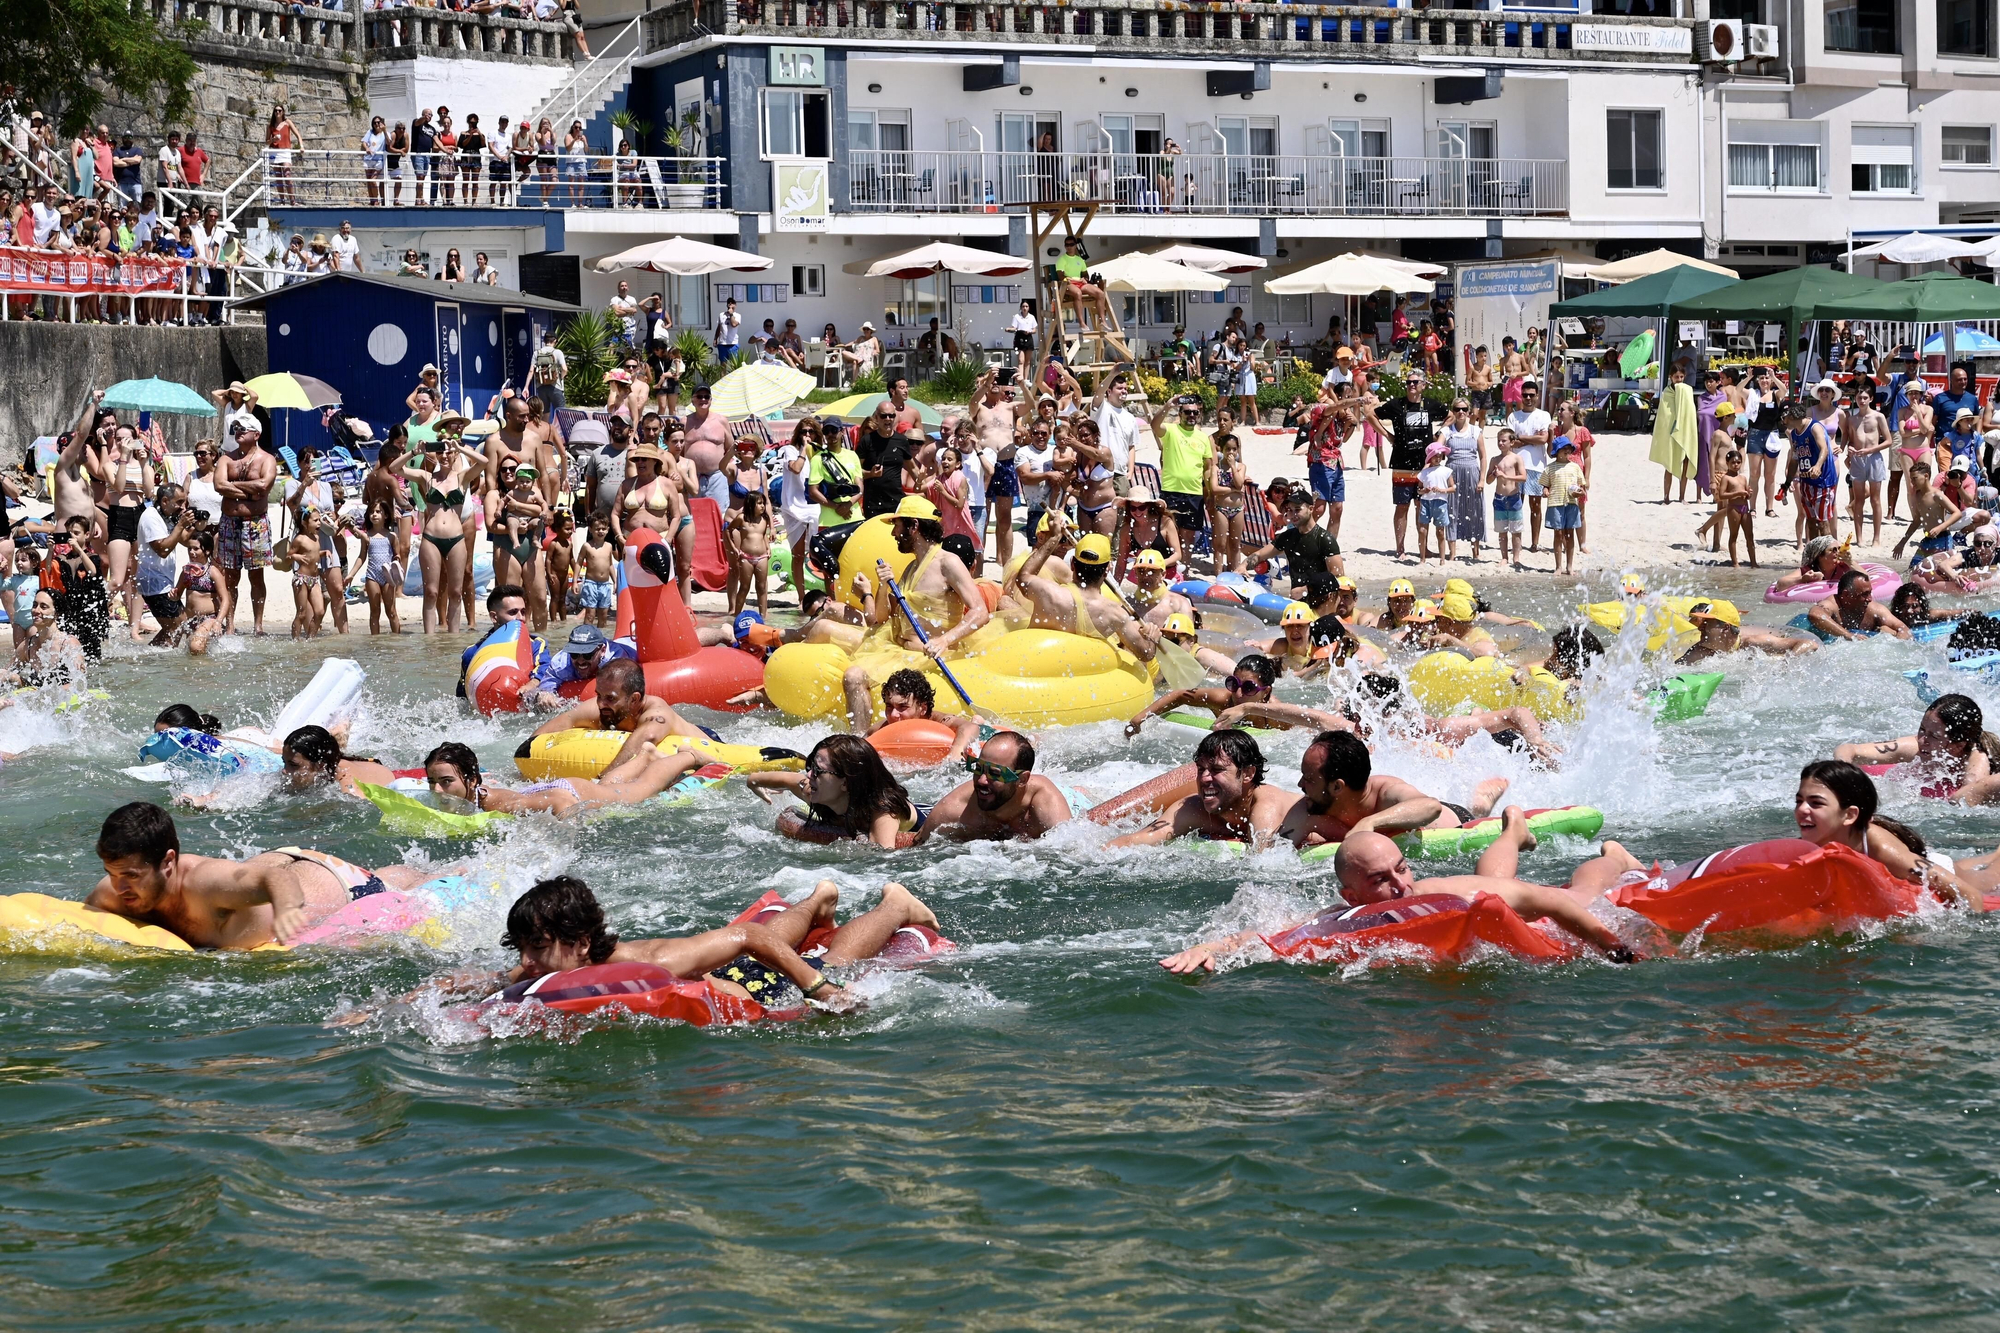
[1180, 622]
[1297, 613]
[1402, 588]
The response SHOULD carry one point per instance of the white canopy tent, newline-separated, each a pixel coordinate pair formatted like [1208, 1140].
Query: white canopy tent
[1918, 248]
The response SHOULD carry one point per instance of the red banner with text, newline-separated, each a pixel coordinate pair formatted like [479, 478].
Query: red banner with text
[75, 274]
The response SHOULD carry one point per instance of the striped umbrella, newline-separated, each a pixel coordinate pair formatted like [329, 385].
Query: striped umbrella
[285, 389]
[755, 391]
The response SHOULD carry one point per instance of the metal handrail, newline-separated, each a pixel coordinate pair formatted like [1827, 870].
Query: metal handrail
[342, 178]
[569, 87]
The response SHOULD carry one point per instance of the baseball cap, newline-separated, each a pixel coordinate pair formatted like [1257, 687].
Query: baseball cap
[915, 506]
[1297, 613]
[585, 639]
[1725, 409]
[1094, 549]
[1726, 612]
[1043, 525]
[1180, 622]
[1149, 559]
[1402, 588]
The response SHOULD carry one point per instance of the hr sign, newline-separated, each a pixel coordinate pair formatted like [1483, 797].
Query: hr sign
[797, 67]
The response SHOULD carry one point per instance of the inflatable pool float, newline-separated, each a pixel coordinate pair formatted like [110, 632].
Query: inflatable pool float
[38, 923]
[1685, 696]
[1444, 682]
[1802, 622]
[419, 814]
[1150, 799]
[1438, 844]
[915, 742]
[184, 752]
[1666, 624]
[647, 990]
[577, 753]
[1432, 928]
[1938, 788]
[329, 698]
[1235, 591]
[1938, 631]
[873, 540]
[1200, 721]
[1031, 677]
[1883, 582]
[1775, 892]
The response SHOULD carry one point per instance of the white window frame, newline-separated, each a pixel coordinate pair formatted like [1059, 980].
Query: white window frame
[809, 279]
[765, 96]
[1660, 151]
[1856, 159]
[1250, 124]
[1946, 164]
[1363, 127]
[1745, 133]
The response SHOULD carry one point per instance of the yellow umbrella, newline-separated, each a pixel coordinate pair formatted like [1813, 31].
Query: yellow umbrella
[284, 389]
[754, 390]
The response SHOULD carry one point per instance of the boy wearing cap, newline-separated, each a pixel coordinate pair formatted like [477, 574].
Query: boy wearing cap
[1435, 489]
[1562, 485]
[1723, 631]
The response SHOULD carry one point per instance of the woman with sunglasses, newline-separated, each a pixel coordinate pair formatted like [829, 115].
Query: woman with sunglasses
[849, 794]
[656, 499]
[440, 481]
[1249, 683]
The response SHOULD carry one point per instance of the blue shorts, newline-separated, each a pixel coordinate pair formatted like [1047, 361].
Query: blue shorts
[1190, 514]
[1403, 493]
[1434, 512]
[598, 596]
[1005, 481]
[1328, 483]
[1761, 440]
[1565, 518]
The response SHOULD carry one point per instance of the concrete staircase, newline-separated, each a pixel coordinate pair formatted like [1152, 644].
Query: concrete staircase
[595, 90]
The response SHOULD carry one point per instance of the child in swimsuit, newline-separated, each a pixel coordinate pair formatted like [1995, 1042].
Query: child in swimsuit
[598, 592]
[749, 538]
[1226, 498]
[384, 582]
[307, 589]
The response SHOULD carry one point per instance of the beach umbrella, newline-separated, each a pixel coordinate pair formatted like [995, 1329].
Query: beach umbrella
[681, 257]
[755, 391]
[1210, 260]
[1349, 275]
[300, 392]
[1968, 341]
[1917, 248]
[939, 257]
[1140, 272]
[857, 407]
[157, 395]
[1653, 261]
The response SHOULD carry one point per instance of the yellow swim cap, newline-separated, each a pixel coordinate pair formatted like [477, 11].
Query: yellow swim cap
[1461, 588]
[1180, 622]
[1455, 606]
[1149, 559]
[1402, 588]
[1423, 612]
[1297, 613]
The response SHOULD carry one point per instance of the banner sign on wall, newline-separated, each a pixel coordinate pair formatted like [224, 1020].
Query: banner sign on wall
[27, 270]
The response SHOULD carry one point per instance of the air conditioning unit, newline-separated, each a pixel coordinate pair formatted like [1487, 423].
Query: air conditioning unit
[1718, 41]
[1760, 41]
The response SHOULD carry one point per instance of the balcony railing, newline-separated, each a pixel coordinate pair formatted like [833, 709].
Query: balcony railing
[1151, 26]
[417, 31]
[344, 178]
[971, 182]
[258, 24]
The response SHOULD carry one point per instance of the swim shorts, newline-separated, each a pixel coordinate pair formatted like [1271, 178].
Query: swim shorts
[599, 595]
[243, 543]
[1507, 513]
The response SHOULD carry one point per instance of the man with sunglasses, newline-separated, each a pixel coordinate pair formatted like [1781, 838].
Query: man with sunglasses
[884, 450]
[1231, 801]
[708, 446]
[1250, 682]
[1005, 798]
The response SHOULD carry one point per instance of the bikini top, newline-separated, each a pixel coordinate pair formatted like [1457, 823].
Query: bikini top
[199, 579]
[655, 503]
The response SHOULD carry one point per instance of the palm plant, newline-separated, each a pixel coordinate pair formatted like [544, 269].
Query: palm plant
[635, 128]
[586, 341]
[696, 354]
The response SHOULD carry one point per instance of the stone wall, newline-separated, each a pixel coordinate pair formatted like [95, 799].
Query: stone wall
[54, 366]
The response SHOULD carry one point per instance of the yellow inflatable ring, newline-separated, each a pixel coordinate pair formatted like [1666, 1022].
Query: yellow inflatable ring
[1667, 625]
[872, 541]
[35, 923]
[1033, 677]
[1444, 682]
[577, 753]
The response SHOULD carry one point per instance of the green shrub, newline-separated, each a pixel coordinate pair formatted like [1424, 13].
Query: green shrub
[957, 378]
[586, 341]
[1279, 394]
[873, 382]
[695, 353]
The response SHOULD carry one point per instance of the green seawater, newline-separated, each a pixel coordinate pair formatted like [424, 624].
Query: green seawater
[1041, 1131]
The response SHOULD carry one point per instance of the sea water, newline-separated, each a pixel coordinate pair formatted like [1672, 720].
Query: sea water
[1042, 1130]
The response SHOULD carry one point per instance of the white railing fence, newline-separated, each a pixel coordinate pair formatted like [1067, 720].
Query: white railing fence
[343, 178]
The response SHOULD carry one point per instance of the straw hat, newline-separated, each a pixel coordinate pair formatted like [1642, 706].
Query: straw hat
[648, 452]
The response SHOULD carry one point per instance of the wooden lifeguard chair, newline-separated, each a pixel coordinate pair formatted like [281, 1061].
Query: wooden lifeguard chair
[1097, 348]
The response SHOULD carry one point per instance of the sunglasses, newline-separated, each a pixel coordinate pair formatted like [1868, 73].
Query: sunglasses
[1237, 685]
[997, 772]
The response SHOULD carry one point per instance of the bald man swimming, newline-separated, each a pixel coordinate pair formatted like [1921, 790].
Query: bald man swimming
[1373, 870]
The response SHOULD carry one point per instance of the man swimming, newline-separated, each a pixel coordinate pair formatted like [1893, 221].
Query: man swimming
[1723, 631]
[1005, 798]
[1852, 611]
[1232, 800]
[622, 704]
[1340, 796]
[1373, 871]
[214, 903]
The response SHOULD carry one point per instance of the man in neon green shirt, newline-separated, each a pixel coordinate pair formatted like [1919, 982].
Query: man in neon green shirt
[1185, 449]
[1074, 270]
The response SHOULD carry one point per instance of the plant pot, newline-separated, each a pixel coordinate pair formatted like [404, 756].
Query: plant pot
[686, 195]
